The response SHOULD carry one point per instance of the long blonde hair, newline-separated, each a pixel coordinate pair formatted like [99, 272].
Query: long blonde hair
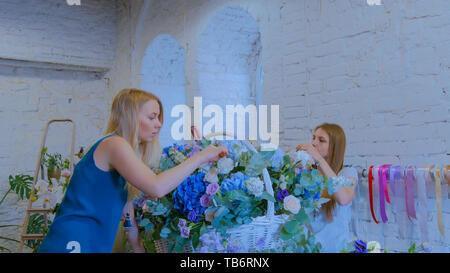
[123, 121]
[336, 151]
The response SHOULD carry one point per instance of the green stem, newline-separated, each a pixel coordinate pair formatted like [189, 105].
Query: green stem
[14, 240]
[10, 226]
[9, 239]
[5, 195]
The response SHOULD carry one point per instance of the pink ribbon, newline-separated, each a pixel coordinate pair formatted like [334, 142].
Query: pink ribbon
[408, 181]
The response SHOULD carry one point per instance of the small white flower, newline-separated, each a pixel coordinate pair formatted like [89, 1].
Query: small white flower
[41, 187]
[373, 247]
[283, 185]
[255, 186]
[225, 165]
[292, 204]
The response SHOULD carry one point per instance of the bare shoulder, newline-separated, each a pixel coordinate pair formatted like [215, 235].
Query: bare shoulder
[114, 141]
[109, 148]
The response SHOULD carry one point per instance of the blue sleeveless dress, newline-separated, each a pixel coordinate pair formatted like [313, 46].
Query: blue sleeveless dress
[90, 213]
[333, 236]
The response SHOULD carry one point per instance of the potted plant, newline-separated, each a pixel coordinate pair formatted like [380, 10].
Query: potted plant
[53, 163]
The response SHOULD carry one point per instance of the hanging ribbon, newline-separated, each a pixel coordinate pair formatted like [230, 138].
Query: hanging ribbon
[394, 174]
[422, 208]
[386, 180]
[447, 177]
[399, 202]
[370, 194]
[382, 184]
[392, 178]
[409, 192]
[437, 180]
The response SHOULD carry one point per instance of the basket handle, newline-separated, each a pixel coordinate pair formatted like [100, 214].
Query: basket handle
[267, 182]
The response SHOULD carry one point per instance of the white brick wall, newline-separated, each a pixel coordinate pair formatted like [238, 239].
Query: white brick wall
[49, 31]
[383, 75]
[54, 32]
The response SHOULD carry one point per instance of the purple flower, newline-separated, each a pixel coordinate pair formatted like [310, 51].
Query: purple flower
[141, 202]
[184, 232]
[360, 247]
[205, 200]
[192, 216]
[233, 247]
[181, 223]
[281, 194]
[212, 188]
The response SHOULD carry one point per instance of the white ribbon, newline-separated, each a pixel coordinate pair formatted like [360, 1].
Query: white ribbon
[422, 203]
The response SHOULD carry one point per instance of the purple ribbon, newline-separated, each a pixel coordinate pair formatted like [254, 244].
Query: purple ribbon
[382, 184]
[408, 181]
[395, 174]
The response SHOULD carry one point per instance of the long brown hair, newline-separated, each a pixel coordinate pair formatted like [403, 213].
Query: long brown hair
[336, 151]
[123, 121]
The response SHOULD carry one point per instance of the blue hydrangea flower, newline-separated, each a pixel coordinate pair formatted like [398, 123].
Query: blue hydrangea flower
[307, 195]
[235, 149]
[235, 182]
[277, 159]
[186, 197]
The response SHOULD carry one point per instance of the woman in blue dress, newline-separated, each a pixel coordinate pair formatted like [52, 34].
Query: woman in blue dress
[331, 226]
[112, 171]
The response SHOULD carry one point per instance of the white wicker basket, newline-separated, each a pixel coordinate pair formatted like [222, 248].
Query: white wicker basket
[265, 227]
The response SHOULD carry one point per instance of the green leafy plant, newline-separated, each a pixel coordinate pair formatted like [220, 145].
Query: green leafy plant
[21, 185]
[53, 162]
[36, 226]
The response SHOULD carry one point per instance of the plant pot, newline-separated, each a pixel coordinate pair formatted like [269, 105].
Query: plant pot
[56, 173]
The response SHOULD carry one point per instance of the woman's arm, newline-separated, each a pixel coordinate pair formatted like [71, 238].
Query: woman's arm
[122, 157]
[344, 195]
[133, 233]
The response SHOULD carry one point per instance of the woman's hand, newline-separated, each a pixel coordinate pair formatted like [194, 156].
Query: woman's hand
[213, 153]
[309, 148]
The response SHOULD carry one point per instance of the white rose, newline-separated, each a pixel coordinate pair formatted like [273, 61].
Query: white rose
[304, 158]
[292, 204]
[373, 247]
[225, 165]
[211, 177]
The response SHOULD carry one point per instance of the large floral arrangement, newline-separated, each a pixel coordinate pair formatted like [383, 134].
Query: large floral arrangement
[231, 192]
[215, 198]
[297, 186]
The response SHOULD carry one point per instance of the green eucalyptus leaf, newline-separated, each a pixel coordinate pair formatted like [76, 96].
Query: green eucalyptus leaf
[291, 226]
[265, 195]
[284, 235]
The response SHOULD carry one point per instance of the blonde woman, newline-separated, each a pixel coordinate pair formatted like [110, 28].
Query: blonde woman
[112, 172]
[331, 227]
